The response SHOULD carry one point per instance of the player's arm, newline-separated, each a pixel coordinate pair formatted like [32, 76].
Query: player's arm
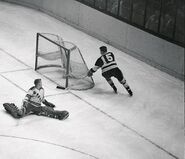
[45, 102]
[92, 70]
[48, 104]
[98, 65]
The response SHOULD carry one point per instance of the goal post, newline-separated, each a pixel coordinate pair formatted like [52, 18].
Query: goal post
[62, 62]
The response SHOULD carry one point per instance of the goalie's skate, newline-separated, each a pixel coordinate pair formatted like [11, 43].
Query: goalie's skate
[63, 115]
[12, 109]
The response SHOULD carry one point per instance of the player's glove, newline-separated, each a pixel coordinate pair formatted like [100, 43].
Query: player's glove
[90, 73]
[48, 104]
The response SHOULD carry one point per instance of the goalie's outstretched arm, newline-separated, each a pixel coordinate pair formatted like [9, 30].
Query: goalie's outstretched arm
[48, 104]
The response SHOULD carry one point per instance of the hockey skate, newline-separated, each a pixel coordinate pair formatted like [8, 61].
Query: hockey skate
[12, 109]
[130, 92]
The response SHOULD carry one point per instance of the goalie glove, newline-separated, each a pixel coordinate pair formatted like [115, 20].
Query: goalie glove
[90, 73]
[48, 104]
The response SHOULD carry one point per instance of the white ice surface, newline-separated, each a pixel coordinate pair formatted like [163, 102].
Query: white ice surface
[102, 125]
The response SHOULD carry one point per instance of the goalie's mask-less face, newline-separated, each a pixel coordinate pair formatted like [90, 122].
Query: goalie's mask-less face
[38, 83]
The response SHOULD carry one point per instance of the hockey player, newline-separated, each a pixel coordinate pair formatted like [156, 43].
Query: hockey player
[109, 69]
[32, 104]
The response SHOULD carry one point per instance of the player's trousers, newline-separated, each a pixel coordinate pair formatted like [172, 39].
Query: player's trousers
[115, 72]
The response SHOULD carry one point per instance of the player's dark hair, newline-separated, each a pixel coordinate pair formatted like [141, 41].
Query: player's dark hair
[103, 48]
[36, 81]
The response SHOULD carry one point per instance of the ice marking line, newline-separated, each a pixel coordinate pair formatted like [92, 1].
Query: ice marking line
[124, 125]
[56, 94]
[14, 57]
[49, 143]
[47, 77]
[29, 68]
[15, 70]
[13, 83]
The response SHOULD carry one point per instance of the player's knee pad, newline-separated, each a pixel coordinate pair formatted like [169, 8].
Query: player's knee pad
[123, 81]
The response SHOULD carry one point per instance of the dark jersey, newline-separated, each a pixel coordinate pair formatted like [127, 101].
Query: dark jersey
[106, 62]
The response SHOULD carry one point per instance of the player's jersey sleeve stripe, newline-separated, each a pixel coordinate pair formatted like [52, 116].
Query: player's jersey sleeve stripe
[95, 68]
[111, 64]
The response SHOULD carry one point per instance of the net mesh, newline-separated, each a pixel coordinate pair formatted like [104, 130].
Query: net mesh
[52, 61]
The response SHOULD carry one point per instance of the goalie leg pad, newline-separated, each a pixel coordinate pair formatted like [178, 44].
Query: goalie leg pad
[12, 109]
[49, 112]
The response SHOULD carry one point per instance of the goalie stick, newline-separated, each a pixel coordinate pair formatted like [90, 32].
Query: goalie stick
[60, 87]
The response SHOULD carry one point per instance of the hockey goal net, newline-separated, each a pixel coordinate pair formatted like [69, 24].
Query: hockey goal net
[61, 62]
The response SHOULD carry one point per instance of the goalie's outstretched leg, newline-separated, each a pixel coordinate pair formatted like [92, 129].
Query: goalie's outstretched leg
[50, 112]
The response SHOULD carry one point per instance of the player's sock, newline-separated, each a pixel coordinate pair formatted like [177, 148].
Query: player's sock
[114, 88]
[112, 85]
[129, 91]
[124, 83]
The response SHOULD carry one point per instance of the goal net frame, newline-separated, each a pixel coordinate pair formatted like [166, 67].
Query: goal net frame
[66, 63]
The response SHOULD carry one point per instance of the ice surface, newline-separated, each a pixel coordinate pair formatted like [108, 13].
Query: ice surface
[102, 125]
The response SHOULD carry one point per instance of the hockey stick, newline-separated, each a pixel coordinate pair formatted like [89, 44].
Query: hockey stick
[60, 87]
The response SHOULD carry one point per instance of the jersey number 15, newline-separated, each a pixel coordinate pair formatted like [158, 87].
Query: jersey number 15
[108, 58]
